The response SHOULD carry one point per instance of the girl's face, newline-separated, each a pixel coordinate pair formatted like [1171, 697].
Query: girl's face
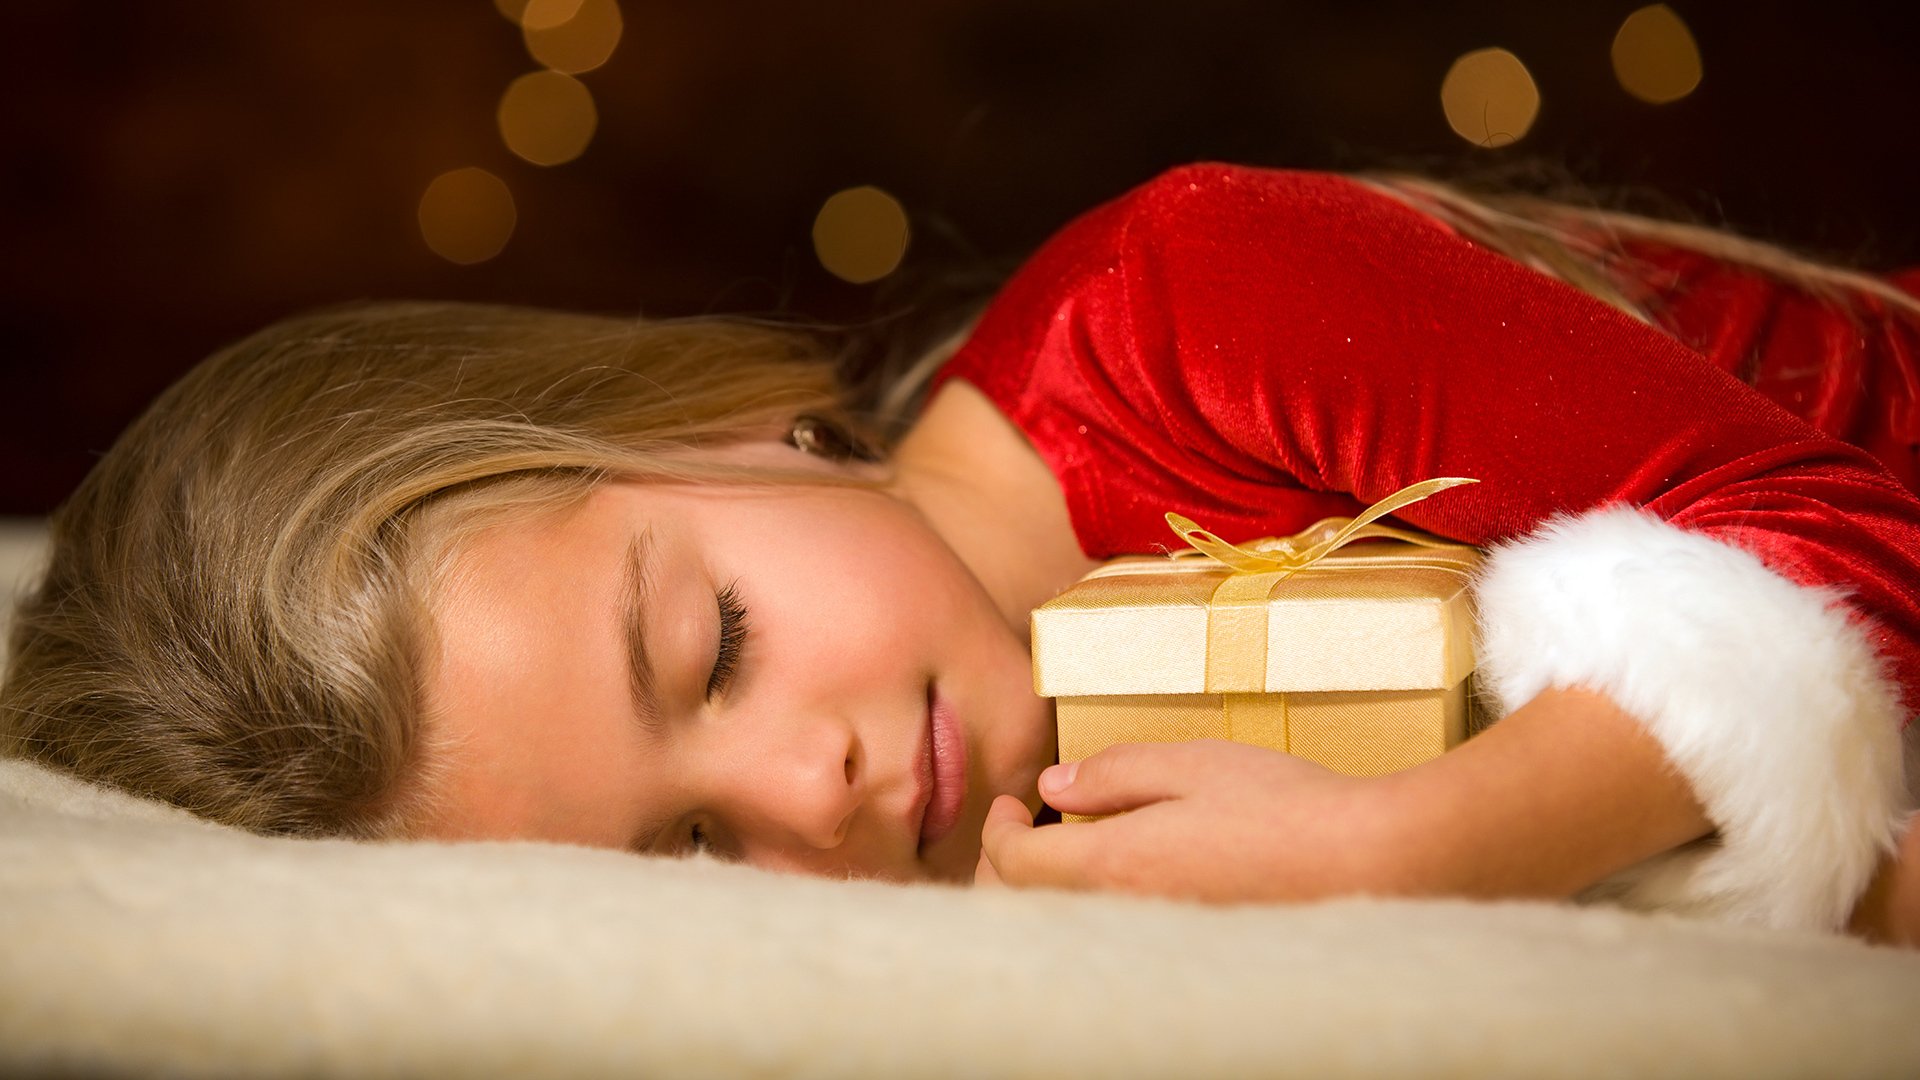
[804, 679]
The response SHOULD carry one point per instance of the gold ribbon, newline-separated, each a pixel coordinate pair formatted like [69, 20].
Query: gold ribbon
[1237, 609]
[1285, 556]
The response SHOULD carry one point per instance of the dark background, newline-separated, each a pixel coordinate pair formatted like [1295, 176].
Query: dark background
[180, 173]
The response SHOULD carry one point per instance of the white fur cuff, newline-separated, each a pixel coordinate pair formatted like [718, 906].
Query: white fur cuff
[1764, 695]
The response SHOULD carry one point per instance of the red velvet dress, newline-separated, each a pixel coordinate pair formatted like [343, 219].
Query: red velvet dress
[1259, 349]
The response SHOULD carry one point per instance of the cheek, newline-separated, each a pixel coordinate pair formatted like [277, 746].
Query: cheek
[895, 602]
[863, 582]
[833, 607]
[895, 572]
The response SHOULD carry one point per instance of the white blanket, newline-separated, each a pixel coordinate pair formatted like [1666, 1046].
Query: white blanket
[136, 940]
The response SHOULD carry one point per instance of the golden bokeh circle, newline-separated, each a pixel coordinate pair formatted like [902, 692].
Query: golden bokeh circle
[547, 14]
[546, 117]
[511, 9]
[581, 43]
[1655, 57]
[466, 215]
[861, 234]
[1489, 98]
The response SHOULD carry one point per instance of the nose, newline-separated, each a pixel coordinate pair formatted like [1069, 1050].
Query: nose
[797, 795]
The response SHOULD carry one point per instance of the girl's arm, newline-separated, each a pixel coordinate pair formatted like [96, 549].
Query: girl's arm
[1762, 694]
[1565, 791]
[1560, 794]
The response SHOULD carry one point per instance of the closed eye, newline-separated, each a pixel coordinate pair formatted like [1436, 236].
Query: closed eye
[733, 638]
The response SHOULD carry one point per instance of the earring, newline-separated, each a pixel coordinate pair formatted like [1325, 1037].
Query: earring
[822, 437]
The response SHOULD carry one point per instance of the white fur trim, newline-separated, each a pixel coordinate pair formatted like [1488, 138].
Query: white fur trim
[1765, 694]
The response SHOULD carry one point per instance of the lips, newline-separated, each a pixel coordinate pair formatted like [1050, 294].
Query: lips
[945, 768]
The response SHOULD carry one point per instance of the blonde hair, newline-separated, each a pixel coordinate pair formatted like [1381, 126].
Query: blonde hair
[1586, 247]
[234, 616]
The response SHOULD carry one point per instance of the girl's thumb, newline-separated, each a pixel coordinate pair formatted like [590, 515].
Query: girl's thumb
[1115, 779]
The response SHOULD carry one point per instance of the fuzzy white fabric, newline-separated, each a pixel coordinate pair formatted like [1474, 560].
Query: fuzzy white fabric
[138, 941]
[1765, 695]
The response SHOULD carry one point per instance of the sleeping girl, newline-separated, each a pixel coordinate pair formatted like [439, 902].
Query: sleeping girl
[446, 571]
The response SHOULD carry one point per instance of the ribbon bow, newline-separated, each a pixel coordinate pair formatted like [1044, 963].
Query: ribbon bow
[1286, 556]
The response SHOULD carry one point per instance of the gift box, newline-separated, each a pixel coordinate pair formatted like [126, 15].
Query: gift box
[1349, 644]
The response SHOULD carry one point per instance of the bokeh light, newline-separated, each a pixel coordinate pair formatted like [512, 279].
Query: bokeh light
[466, 215]
[860, 234]
[1489, 98]
[547, 118]
[512, 9]
[1655, 57]
[578, 44]
[547, 14]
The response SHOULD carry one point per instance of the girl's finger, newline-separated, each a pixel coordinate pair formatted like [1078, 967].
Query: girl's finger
[984, 875]
[1007, 814]
[1062, 856]
[1121, 777]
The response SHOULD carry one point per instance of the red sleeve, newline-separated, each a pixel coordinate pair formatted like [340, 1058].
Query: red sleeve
[1258, 349]
[1850, 369]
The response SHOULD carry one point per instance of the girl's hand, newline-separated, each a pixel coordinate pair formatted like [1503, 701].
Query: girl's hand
[1210, 820]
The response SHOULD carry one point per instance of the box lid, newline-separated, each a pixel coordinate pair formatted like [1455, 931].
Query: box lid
[1378, 614]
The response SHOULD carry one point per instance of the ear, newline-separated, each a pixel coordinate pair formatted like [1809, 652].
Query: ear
[777, 452]
[827, 437]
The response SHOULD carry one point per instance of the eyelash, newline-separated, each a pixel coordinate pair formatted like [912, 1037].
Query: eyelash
[733, 637]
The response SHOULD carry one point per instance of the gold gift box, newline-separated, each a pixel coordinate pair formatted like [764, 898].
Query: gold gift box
[1361, 661]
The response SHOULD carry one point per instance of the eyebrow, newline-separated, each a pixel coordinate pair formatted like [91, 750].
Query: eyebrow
[637, 596]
